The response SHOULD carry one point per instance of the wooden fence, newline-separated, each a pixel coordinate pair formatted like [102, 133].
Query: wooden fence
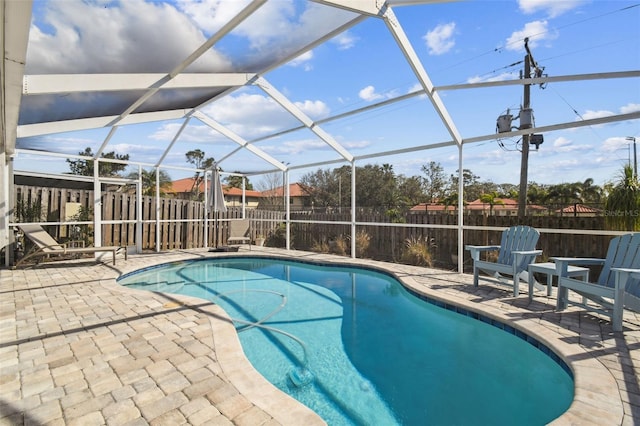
[181, 221]
[388, 242]
[182, 227]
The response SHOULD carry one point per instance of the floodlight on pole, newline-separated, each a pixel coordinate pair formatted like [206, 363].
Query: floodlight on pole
[635, 155]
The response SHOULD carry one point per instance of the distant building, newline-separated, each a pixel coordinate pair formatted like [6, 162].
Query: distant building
[233, 197]
[432, 209]
[274, 199]
[184, 188]
[299, 198]
[579, 210]
[501, 207]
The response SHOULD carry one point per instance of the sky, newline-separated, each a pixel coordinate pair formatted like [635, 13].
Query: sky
[457, 43]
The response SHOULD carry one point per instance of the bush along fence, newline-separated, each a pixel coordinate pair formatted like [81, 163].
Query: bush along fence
[181, 227]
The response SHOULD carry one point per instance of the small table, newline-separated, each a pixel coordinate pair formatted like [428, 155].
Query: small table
[549, 268]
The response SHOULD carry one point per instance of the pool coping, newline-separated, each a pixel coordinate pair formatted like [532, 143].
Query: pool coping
[597, 398]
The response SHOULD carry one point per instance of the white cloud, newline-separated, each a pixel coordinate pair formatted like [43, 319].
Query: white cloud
[81, 27]
[500, 77]
[589, 114]
[302, 60]
[552, 8]
[615, 144]
[345, 40]
[314, 109]
[562, 142]
[536, 31]
[303, 145]
[369, 94]
[440, 39]
[211, 15]
[629, 108]
[252, 115]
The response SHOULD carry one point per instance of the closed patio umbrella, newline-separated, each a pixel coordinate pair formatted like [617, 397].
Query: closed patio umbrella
[216, 197]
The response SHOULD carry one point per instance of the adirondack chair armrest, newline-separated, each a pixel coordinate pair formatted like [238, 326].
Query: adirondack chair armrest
[476, 250]
[562, 263]
[527, 252]
[521, 255]
[623, 274]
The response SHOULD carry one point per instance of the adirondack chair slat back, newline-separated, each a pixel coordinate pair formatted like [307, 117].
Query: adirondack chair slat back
[623, 252]
[517, 238]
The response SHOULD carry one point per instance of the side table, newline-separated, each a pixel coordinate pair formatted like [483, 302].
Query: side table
[549, 268]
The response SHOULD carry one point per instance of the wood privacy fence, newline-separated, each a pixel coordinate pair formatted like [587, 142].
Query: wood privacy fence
[180, 221]
[181, 226]
[388, 242]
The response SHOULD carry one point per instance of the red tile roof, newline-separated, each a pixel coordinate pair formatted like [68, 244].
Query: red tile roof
[579, 208]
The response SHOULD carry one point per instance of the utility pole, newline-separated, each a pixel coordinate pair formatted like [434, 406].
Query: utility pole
[525, 124]
[635, 155]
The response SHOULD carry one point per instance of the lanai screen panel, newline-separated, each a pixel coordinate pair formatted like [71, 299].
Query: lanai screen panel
[327, 60]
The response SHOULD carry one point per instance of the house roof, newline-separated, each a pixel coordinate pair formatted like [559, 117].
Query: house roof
[507, 204]
[185, 185]
[295, 190]
[578, 209]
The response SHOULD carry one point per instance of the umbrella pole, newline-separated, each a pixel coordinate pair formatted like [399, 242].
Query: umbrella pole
[216, 226]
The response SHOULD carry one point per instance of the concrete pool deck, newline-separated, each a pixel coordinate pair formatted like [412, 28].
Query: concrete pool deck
[78, 349]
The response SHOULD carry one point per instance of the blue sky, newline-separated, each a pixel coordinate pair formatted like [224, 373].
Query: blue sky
[457, 42]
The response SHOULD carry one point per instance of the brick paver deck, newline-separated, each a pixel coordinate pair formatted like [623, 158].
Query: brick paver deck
[78, 349]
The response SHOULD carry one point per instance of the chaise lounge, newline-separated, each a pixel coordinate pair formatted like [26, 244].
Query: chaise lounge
[46, 245]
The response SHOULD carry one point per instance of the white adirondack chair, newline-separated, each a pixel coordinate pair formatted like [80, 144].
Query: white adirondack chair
[618, 285]
[515, 252]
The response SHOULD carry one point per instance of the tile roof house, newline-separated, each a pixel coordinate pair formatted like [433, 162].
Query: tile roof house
[579, 210]
[299, 198]
[508, 207]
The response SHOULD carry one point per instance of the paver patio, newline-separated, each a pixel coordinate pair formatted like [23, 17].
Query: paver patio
[78, 349]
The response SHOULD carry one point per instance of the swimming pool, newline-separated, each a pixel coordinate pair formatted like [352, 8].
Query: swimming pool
[358, 348]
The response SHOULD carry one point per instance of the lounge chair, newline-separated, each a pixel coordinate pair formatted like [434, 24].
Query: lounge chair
[515, 252]
[618, 285]
[239, 231]
[46, 245]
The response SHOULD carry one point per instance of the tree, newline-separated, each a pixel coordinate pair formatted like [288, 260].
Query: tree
[491, 199]
[622, 207]
[411, 189]
[149, 181]
[272, 199]
[319, 185]
[197, 158]
[85, 167]
[234, 181]
[434, 181]
[450, 199]
[470, 185]
[537, 194]
[590, 192]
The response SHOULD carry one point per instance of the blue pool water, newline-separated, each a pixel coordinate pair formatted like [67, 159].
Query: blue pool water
[358, 348]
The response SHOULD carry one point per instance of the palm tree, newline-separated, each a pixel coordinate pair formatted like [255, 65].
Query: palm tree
[149, 181]
[590, 192]
[491, 199]
[622, 207]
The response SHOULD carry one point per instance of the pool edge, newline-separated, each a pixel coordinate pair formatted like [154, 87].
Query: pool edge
[596, 394]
